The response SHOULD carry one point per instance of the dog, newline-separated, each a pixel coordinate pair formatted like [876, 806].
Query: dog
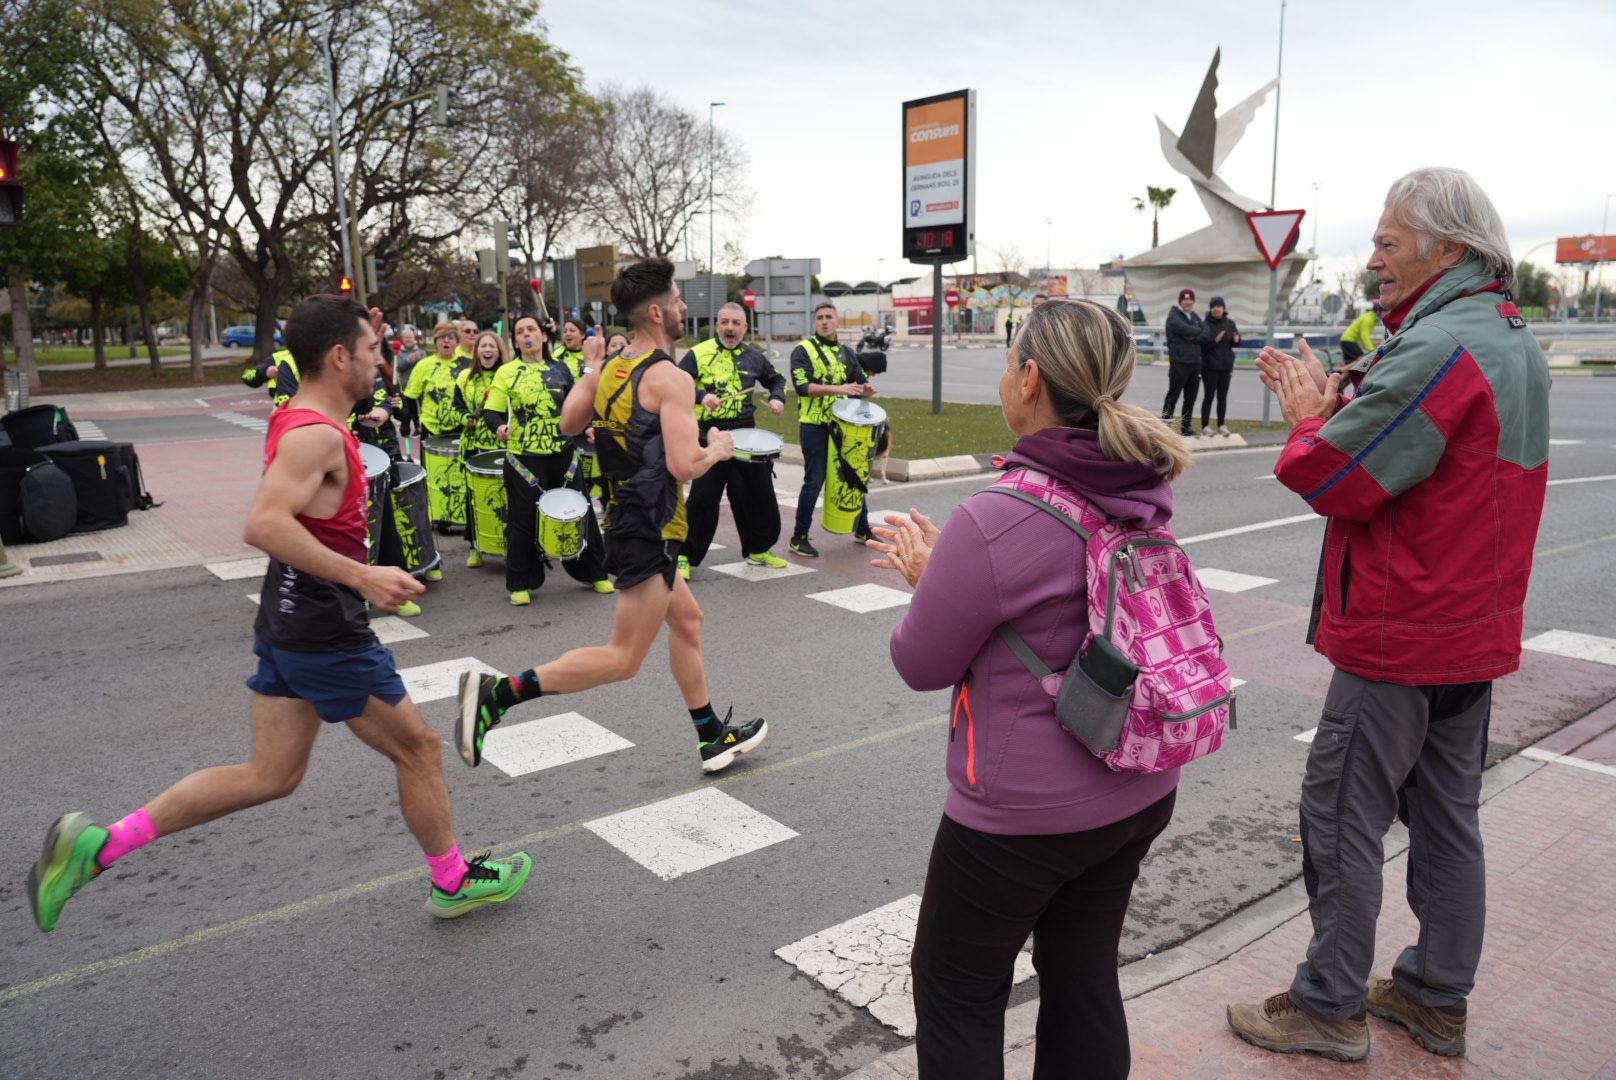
[881, 452]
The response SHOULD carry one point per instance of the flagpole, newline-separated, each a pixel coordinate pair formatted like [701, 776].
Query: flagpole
[1273, 204]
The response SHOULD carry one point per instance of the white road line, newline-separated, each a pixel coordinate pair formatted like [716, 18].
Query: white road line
[746, 571]
[865, 961]
[545, 743]
[1306, 736]
[1581, 480]
[1569, 643]
[434, 682]
[1255, 527]
[1231, 582]
[690, 832]
[251, 423]
[1270, 476]
[1566, 759]
[1235, 684]
[1565, 442]
[861, 599]
[89, 429]
[254, 597]
[391, 628]
[236, 569]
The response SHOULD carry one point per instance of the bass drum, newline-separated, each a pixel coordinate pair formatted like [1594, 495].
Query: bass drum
[375, 462]
[562, 513]
[407, 539]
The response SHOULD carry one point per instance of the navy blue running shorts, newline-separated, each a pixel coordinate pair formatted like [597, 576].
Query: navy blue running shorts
[337, 684]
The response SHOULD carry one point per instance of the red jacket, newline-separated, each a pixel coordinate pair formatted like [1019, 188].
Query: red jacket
[1432, 475]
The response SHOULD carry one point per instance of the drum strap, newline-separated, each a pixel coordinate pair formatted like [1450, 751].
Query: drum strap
[533, 481]
[849, 475]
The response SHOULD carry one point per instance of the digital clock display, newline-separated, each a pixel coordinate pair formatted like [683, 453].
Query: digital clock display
[934, 243]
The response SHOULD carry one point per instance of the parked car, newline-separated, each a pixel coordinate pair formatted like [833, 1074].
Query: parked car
[242, 336]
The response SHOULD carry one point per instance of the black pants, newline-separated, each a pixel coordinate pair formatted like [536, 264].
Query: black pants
[751, 500]
[1185, 378]
[524, 562]
[984, 895]
[1215, 383]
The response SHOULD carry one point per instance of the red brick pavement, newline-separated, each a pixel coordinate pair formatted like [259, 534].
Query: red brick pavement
[206, 488]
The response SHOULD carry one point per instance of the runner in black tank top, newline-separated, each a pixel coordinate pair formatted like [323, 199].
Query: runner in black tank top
[642, 408]
[317, 657]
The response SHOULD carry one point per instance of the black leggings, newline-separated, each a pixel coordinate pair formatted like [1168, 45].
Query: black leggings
[1215, 382]
[1181, 378]
[984, 894]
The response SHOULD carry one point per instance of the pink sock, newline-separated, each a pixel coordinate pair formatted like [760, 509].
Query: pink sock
[448, 869]
[134, 831]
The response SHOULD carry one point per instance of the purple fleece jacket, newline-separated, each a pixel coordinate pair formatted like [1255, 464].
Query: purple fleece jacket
[1012, 767]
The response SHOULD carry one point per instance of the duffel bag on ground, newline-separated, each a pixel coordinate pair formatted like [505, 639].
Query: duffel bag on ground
[38, 425]
[101, 478]
[37, 500]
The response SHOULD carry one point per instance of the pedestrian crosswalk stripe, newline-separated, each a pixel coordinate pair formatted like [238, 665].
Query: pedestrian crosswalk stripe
[434, 682]
[1306, 736]
[391, 628]
[519, 749]
[89, 429]
[239, 568]
[1601, 650]
[251, 423]
[1565, 442]
[747, 571]
[865, 961]
[863, 598]
[689, 832]
[1229, 581]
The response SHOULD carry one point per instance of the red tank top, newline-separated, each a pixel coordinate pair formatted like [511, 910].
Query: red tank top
[345, 531]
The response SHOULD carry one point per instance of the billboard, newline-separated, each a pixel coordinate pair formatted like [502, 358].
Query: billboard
[939, 142]
[1584, 249]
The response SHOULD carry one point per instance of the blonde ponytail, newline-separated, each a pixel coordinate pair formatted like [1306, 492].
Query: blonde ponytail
[1086, 356]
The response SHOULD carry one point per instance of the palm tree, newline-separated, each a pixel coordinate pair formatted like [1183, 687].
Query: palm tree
[1157, 199]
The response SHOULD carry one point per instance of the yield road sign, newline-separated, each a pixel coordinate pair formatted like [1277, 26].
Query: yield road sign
[1276, 232]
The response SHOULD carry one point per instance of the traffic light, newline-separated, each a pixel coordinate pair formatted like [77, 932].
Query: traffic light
[345, 285]
[10, 186]
[375, 274]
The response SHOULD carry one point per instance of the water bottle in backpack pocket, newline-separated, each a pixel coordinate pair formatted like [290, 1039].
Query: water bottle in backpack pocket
[1149, 689]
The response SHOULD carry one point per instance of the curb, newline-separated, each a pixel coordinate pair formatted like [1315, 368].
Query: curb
[1221, 940]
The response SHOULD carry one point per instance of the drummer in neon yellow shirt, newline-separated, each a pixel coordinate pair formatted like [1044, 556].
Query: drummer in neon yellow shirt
[523, 408]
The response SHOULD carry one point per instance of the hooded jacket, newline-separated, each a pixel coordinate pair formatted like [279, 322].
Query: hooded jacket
[1219, 355]
[1012, 767]
[1432, 475]
[1186, 332]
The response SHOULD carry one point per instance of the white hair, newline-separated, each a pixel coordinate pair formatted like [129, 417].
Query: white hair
[1448, 204]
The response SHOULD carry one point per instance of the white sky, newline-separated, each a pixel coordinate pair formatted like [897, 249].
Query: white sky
[1520, 96]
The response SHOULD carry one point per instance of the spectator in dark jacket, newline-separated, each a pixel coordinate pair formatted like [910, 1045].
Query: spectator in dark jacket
[1185, 334]
[1038, 836]
[1217, 364]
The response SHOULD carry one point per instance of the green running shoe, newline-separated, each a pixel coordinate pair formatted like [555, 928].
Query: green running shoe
[478, 714]
[66, 866]
[485, 883]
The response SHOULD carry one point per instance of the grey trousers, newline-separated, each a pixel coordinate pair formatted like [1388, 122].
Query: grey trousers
[1385, 751]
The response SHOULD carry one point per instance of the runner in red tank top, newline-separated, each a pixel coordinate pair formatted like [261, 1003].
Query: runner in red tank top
[318, 658]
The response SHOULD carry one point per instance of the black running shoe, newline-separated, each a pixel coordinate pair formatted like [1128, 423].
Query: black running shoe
[478, 714]
[801, 546]
[720, 753]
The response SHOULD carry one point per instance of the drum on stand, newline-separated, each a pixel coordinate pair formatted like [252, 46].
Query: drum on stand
[407, 540]
[445, 480]
[485, 495]
[375, 461]
[755, 444]
[562, 513]
[847, 473]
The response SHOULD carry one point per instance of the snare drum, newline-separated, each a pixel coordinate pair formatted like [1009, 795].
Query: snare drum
[445, 480]
[487, 501]
[755, 444]
[562, 513]
[407, 540]
[375, 462]
[847, 473]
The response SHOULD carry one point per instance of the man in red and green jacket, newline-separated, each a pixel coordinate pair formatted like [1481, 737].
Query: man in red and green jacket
[1429, 458]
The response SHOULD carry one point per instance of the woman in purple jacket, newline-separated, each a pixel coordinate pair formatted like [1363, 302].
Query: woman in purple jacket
[1038, 836]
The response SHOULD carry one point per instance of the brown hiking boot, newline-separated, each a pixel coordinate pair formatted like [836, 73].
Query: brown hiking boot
[1438, 1028]
[1277, 1024]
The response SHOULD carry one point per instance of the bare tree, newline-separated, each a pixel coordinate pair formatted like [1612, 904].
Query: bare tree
[654, 181]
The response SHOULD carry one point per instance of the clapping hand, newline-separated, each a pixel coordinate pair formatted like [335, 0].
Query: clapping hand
[905, 544]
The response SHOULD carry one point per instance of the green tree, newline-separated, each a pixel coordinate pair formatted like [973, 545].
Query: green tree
[1157, 199]
[1533, 285]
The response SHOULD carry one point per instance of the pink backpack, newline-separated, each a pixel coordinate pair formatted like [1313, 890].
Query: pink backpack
[1148, 690]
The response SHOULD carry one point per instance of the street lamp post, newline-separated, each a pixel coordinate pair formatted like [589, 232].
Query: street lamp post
[336, 155]
[1599, 280]
[1317, 186]
[712, 165]
[878, 263]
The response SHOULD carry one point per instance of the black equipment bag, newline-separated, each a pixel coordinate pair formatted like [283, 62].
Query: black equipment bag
[38, 425]
[873, 362]
[103, 478]
[37, 500]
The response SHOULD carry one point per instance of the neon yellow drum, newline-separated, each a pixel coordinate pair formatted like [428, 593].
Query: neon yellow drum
[562, 513]
[486, 500]
[375, 461]
[847, 472]
[445, 480]
[755, 444]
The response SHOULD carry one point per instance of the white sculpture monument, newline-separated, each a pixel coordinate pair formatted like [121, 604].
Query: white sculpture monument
[1222, 258]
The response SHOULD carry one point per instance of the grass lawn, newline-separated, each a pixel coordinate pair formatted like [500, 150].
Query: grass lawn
[960, 429]
[84, 354]
[133, 378]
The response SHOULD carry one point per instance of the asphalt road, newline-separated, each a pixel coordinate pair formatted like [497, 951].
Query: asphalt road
[289, 940]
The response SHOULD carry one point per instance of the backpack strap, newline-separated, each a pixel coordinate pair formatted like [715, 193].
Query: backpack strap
[1033, 500]
[1007, 633]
